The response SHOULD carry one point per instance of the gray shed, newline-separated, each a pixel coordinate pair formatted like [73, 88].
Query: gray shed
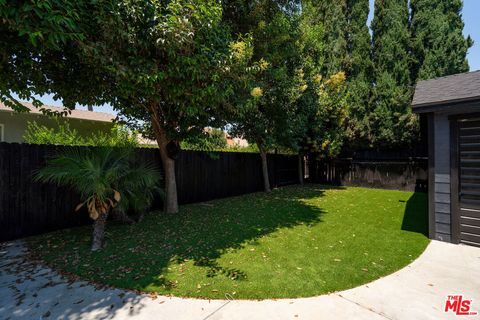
[452, 107]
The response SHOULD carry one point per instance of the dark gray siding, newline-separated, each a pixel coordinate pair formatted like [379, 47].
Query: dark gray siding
[442, 179]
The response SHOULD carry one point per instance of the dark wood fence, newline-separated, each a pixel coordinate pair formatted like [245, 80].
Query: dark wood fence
[28, 207]
[399, 174]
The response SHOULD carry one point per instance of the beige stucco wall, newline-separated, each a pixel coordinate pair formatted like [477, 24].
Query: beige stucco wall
[15, 124]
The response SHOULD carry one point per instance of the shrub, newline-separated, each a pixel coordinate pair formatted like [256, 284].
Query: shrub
[62, 134]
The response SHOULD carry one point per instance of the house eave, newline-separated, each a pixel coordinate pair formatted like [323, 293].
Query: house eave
[69, 117]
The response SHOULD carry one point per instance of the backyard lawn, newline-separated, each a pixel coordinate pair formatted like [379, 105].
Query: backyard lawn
[293, 242]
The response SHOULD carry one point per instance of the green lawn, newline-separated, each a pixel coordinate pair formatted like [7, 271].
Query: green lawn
[294, 242]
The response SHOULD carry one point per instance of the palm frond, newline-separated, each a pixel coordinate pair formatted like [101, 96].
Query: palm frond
[101, 172]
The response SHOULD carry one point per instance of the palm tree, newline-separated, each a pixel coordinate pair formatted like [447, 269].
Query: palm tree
[102, 177]
[137, 197]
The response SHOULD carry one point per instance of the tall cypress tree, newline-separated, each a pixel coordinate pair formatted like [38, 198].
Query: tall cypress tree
[333, 16]
[359, 69]
[392, 120]
[439, 47]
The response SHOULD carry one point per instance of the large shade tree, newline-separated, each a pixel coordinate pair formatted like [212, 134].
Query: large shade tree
[272, 90]
[166, 61]
[160, 64]
[317, 116]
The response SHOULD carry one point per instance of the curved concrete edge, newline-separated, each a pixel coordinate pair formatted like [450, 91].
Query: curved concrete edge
[31, 291]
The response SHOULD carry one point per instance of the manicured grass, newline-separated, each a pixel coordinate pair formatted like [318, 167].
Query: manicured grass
[294, 242]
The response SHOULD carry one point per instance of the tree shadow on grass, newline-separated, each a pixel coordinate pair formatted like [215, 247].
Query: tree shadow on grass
[203, 232]
[137, 256]
[415, 218]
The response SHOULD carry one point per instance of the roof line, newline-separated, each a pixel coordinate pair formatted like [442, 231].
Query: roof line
[433, 107]
[449, 76]
[72, 113]
[446, 102]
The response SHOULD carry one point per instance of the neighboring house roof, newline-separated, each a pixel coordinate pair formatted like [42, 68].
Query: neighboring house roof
[74, 114]
[462, 87]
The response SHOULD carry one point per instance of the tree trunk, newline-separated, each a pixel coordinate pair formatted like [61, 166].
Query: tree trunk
[171, 200]
[300, 168]
[98, 239]
[263, 155]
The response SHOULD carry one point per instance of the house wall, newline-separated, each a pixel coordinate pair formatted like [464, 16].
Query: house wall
[15, 124]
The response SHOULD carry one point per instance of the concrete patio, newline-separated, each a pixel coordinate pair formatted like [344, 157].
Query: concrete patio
[419, 291]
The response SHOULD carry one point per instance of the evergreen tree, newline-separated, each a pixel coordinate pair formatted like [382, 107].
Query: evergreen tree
[439, 47]
[332, 14]
[392, 121]
[359, 70]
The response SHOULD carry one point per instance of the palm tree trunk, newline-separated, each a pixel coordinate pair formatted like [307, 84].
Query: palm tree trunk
[263, 155]
[98, 240]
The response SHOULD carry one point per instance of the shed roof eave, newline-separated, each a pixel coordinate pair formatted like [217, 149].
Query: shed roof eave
[444, 105]
[448, 88]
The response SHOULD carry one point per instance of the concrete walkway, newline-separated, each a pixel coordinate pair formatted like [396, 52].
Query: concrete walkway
[29, 291]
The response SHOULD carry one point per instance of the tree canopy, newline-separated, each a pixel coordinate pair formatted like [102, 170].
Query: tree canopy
[359, 69]
[438, 44]
[160, 64]
[391, 119]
